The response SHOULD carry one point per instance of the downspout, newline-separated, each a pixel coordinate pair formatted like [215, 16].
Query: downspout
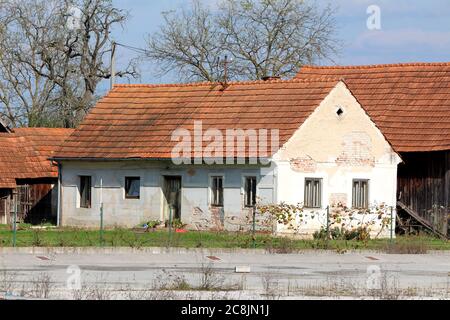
[58, 214]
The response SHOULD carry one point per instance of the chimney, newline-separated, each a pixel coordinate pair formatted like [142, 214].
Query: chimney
[269, 78]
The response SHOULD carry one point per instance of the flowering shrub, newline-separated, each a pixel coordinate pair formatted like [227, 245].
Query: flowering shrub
[358, 223]
[344, 223]
[282, 213]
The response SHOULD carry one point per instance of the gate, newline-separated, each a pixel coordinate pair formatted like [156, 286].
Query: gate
[22, 201]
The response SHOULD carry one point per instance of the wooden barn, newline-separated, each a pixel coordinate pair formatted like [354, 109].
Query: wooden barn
[28, 179]
[423, 189]
[410, 103]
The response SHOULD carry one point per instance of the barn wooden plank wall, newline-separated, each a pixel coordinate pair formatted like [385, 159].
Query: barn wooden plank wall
[423, 185]
[35, 203]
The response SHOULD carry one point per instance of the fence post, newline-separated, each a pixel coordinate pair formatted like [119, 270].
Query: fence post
[170, 225]
[101, 224]
[101, 212]
[254, 227]
[444, 218]
[328, 221]
[392, 223]
[328, 224]
[14, 218]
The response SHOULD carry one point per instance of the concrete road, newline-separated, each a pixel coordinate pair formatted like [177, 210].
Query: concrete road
[307, 274]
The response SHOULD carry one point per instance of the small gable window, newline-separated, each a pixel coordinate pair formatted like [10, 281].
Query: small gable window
[339, 111]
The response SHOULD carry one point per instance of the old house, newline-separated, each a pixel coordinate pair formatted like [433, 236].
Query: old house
[145, 148]
[365, 138]
[27, 176]
[410, 103]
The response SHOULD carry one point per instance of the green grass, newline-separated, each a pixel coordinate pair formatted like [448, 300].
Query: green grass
[68, 237]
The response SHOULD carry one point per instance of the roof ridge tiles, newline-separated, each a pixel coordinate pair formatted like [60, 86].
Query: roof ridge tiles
[249, 82]
[370, 66]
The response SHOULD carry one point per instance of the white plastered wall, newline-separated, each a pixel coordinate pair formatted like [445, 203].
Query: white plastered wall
[108, 179]
[337, 149]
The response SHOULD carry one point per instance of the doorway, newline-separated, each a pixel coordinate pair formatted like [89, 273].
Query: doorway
[172, 196]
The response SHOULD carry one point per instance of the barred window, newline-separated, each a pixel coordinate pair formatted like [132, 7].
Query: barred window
[85, 191]
[132, 187]
[250, 191]
[217, 191]
[360, 194]
[313, 193]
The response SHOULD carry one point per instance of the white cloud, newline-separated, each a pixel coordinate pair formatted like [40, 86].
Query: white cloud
[400, 7]
[403, 38]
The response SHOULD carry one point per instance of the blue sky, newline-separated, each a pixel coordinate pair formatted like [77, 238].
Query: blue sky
[411, 31]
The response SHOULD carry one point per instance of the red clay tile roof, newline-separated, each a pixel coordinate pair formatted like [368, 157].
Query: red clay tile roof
[24, 154]
[137, 121]
[410, 102]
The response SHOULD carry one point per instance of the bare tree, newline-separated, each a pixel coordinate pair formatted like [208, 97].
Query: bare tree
[263, 37]
[276, 37]
[188, 43]
[49, 68]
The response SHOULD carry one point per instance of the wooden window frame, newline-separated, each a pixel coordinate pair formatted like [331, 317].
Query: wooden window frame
[312, 200]
[253, 191]
[359, 200]
[84, 186]
[213, 192]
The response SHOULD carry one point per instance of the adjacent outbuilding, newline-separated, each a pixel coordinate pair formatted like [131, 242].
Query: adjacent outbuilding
[27, 177]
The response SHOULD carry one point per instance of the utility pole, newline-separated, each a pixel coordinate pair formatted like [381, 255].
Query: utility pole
[113, 64]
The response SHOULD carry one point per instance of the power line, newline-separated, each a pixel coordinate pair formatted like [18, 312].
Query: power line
[135, 49]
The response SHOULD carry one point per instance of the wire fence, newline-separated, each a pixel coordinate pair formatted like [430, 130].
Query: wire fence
[327, 224]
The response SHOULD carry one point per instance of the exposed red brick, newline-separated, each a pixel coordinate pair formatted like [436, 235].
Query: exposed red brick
[303, 164]
[357, 150]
